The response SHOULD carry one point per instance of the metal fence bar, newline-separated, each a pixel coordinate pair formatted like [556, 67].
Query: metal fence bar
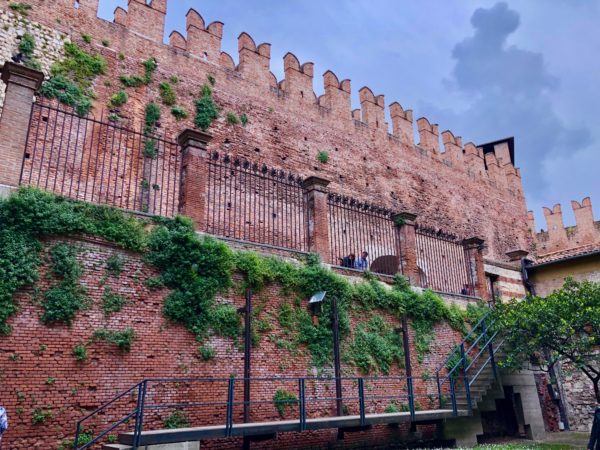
[99, 161]
[443, 262]
[356, 227]
[254, 203]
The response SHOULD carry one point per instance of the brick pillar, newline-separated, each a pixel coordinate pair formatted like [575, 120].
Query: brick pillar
[474, 251]
[21, 85]
[194, 173]
[318, 217]
[407, 246]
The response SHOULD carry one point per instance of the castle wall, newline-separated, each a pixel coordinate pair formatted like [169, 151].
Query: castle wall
[456, 190]
[40, 372]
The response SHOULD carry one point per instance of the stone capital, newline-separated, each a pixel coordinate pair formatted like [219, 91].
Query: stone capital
[315, 184]
[21, 75]
[193, 139]
[407, 217]
[474, 242]
[517, 255]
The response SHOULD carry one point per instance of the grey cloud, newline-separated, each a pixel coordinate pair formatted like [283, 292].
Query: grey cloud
[508, 91]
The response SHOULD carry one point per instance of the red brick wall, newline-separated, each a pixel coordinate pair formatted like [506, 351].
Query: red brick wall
[549, 408]
[40, 371]
[288, 125]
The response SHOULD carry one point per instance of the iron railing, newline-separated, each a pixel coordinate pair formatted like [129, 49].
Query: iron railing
[214, 402]
[251, 202]
[465, 364]
[356, 227]
[443, 262]
[100, 161]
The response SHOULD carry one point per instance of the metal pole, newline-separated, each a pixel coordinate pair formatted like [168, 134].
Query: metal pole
[466, 376]
[407, 363]
[336, 357]
[247, 354]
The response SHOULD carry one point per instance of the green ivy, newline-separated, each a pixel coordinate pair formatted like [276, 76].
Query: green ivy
[62, 301]
[283, 400]
[151, 117]
[179, 113]
[150, 148]
[206, 109]
[119, 99]
[177, 419]
[27, 44]
[375, 347]
[80, 353]
[30, 214]
[167, 93]
[122, 339]
[112, 302]
[150, 66]
[114, 265]
[71, 81]
[196, 270]
[20, 7]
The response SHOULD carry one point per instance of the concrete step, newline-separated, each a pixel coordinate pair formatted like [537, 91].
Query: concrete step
[116, 447]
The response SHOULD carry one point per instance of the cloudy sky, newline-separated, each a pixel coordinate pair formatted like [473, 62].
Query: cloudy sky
[483, 69]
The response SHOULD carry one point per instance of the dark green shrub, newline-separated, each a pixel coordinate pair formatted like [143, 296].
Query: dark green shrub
[114, 265]
[232, 118]
[207, 353]
[27, 44]
[86, 38]
[206, 112]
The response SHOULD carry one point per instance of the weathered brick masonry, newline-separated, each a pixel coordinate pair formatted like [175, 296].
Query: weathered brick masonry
[39, 370]
[460, 190]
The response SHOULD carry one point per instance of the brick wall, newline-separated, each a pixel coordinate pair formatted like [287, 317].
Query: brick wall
[39, 370]
[288, 125]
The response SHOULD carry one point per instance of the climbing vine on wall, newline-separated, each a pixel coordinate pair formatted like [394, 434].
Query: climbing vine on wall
[72, 79]
[196, 269]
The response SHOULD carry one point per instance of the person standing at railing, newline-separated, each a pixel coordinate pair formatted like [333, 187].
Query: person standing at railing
[3, 423]
[594, 443]
[349, 261]
[362, 263]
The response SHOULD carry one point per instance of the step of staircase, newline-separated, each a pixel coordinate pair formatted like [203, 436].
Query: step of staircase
[116, 447]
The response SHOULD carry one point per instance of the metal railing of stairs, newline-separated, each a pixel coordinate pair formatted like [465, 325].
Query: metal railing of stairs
[481, 340]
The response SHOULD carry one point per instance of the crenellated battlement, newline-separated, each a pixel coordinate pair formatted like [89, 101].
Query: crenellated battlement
[557, 237]
[300, 123]
[147, 20]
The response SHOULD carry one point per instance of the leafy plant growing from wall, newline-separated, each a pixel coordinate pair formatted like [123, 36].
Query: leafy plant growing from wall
[27, 48]
[175, 420]
[283, 400]
[20, 8]
[112, 302]
[167, 93]
[323, 157]
[71, 80]
[206, 109]
[150, 66]
[63, 300]
[179, 113]
[122, 339]
[80, 353]
[118, 99]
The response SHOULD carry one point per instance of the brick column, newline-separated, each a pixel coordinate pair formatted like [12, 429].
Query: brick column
[21, 85]
[474, 251]
[194, 173]
[407, 246]
[318, 217]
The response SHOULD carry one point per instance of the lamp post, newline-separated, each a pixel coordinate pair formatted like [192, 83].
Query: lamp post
[315, 300]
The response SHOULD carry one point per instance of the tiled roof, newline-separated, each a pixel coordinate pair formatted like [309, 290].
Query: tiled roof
[569, 253]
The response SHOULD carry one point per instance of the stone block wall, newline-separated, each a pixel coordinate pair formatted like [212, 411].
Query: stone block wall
[49, 42]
